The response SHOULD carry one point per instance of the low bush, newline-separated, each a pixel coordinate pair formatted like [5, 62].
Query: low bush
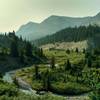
[69, 88]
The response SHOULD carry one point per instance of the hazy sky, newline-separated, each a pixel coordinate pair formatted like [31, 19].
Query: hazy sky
[14, 13]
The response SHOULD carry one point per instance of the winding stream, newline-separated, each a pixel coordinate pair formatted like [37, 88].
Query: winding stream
[8, 78]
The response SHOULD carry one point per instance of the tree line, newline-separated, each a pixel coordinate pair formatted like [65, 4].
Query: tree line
[23, 52]
[71, 34]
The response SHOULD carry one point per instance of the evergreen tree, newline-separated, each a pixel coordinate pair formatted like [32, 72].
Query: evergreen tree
[53, 62]
[20, 38]
[21, 56]
[41, 52]
[71, 34]
[1, 76]
[68, 51]
[89, 61]
[65, 65]
[36, 71]
[46, 80]
[76, 50]
[29, 49]
[68, 65]
[84, 50]
[14, 49]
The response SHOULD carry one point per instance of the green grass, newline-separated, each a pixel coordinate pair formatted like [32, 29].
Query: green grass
[70, 88]
[8, 89]
[22, 96]
[58, 85]
[58, 75]
[10, 92]
[62, 56]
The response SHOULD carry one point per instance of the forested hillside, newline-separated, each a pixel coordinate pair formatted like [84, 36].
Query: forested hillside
[16, 52]
[72, 35]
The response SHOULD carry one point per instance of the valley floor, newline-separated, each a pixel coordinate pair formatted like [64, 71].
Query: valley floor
[62, 82]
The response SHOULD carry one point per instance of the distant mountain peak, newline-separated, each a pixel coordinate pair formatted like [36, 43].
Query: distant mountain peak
[54, 23]
[57, 16]
[98, 14]
[30, 22]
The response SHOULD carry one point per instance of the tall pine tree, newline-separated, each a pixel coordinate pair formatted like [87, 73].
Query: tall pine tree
[29, 49]
[14, 49]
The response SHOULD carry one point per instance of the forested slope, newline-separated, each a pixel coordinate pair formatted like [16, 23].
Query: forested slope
[17, 53]
[75, 34]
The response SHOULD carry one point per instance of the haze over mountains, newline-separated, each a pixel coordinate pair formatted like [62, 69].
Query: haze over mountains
[52, 24]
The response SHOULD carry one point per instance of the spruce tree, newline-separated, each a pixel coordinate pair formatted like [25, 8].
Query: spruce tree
[46, 81]
[21, 56]
[84, 50]
[29, 49]
[68, 65]
[41, 52]
[14, 49]
[36, 71]
[68, 51]
[65, 66]
[89, 62]
[53, 62]
[1, 76]
[76, 50]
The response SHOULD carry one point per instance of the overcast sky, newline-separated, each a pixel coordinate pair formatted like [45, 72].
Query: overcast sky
[14, 13]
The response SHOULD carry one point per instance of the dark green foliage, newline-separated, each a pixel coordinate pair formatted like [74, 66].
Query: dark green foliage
[68, 51]
[41, 52]
[46, 81]
[76, 50]
[14, 49]
[87, 54]
[71, 34]
[67, 65]
[8, 89]
[16, 52]
[22, 56]
[1, 75]
[29, 49]
[14, 45]
[97, 64]
[53, 62]
[69, 88]
[96, 52]
[89, 62]
[95, 95]
[36, 71]
[84, 50]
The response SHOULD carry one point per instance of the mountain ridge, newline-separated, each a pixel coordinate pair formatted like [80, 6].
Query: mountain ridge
[54, 23]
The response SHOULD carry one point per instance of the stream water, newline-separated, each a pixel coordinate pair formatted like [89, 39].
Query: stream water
[8, 78]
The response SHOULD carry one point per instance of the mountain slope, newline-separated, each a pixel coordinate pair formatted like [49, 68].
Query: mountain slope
[27, 30]
[76, 34]
[53, 24]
